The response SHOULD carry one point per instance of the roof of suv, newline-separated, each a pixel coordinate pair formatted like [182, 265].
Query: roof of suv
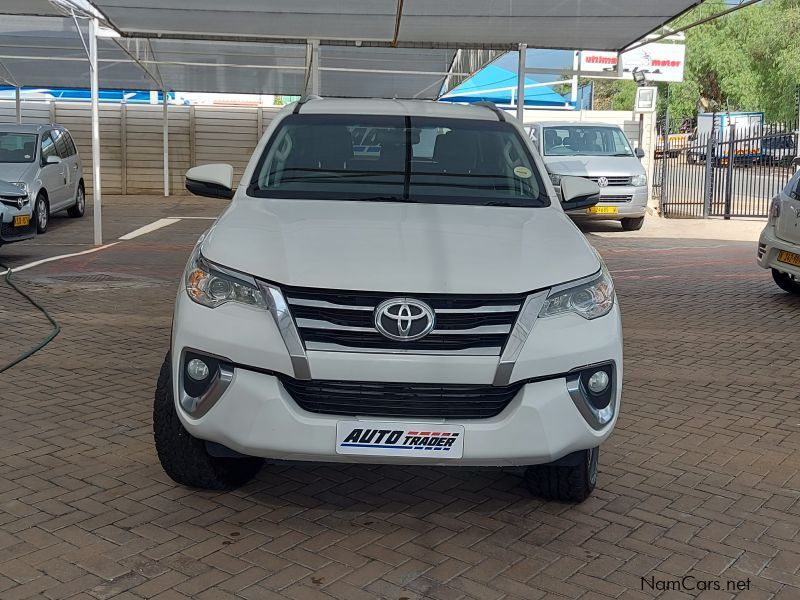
[378, 106]
[27, 128]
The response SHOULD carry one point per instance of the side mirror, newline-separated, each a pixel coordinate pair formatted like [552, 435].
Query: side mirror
[53, 160]
[639, 152]
[796, 161]
[577, 193]
[211, 181]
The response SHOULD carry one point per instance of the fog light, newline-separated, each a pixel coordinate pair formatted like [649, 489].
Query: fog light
[598, 382]
[197, 369]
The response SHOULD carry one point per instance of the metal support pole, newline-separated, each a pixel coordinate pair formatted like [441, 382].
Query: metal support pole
[664, 198]
[576, 65]
[18, 98]
[729, 174]
[523, 51]
[711, 159]
[96, 192]
[314, 67]
[165, 125]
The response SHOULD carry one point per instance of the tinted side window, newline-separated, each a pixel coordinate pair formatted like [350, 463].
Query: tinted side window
[48, 147]
[70, 143]
[61, 144]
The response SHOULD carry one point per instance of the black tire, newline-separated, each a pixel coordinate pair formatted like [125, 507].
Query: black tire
[76, 210]
[183, 457]
[788, 283]
[632, 224]
[41, 212]
[565, 483]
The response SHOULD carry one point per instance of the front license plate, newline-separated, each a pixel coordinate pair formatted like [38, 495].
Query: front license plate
[22, 221]
[602, 210]
[790, 258]
[418, 440]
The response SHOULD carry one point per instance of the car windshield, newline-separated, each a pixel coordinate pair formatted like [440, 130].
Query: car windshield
[580, 140]
[401, 159]
[17, 147]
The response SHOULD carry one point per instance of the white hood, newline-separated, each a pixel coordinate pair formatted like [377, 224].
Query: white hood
[396, 247]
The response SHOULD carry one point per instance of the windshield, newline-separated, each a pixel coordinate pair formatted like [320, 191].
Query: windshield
[580, 140]
[17, 147]
[400, 159]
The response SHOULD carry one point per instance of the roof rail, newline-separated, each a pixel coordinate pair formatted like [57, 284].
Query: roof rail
[303, 100]
[491, 106]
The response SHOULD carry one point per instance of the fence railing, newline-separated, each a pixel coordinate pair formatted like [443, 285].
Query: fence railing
[725, 173]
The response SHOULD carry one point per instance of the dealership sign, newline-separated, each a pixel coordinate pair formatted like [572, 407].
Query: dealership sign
[662, 62]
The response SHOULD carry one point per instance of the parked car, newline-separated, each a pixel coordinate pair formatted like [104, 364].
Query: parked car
[429, 303]
[16, 223]
[43, 162]
[779, 245]
[603, 154]
[779, 150]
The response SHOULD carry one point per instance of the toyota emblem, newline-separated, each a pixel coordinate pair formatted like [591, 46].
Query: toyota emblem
[404, 319]
[602, 181]
[20, 203]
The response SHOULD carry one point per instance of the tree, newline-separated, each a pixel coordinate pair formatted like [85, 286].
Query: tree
[748, 60]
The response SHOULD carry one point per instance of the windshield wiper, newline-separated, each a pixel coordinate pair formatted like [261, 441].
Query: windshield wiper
[622, 154]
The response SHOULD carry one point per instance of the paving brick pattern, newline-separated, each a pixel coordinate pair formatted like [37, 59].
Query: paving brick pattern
[700, 479]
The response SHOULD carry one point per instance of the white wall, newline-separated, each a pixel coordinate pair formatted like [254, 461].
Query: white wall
[131, 139]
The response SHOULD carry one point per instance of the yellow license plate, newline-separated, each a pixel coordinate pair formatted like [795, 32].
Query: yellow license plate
[602, 210]
[21, 221]
[790, 258]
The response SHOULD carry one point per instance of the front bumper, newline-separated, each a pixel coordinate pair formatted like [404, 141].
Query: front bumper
[769, 246]
[8, 232]
[255, 415]
[635, 208]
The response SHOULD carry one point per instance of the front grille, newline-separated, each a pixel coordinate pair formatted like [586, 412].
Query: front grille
[615, 198]
[343, 321]
[614, 180]
[405, 400]
[12, 202]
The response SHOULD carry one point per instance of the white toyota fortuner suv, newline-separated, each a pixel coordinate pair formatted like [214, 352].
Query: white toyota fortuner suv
[423, 300]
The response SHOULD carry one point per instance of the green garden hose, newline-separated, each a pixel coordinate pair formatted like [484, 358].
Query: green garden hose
[56, 327]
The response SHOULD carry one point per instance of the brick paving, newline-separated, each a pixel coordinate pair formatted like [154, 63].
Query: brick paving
[700, 479]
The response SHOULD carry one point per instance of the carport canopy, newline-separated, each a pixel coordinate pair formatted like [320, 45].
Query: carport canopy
[382, 48]
[372, 48]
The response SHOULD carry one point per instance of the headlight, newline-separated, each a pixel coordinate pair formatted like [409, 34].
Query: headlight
[21, 185]
[210, 287]
[590, 300]
[639, 180]
[556, 179]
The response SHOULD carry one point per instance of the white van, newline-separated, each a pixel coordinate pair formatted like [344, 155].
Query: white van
[424, 302]
[602, 153]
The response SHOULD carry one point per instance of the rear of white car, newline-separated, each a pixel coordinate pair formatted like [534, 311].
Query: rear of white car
[443, 312]
[779, 245]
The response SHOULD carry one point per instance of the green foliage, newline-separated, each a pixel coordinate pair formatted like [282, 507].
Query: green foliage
[748, 60]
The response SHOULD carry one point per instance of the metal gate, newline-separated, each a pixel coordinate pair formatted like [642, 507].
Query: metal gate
[730, 175]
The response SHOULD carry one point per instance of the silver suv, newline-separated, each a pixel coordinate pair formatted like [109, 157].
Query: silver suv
[43, 162]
